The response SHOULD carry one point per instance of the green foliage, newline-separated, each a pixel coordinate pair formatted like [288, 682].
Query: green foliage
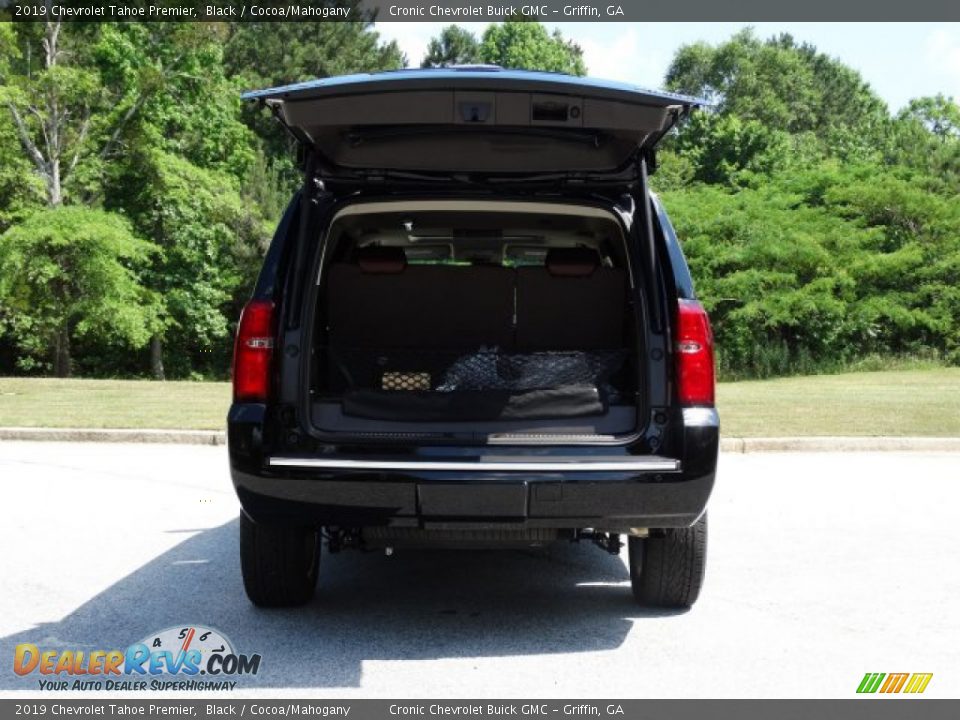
[211, 242]
[727, 149]
[939, 115]
[520, 44]
[56, 104]
[174, 75]
[674, 171]
[822, 232]
[528, 46]
[268, 185]
[72, 272]
[267, 54]
[926, 136]
[148, 120]
[779, 82]
[784, 86]
[20, 188]
[185, 154]
[818, 268]
[454, 46]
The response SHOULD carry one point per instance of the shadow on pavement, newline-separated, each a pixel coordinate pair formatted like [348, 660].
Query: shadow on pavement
[417, 604]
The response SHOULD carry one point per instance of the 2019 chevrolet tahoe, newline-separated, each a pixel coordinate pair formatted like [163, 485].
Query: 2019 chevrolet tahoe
[473, 327]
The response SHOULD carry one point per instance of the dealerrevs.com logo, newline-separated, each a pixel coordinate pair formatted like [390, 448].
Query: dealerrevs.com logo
[189, 657]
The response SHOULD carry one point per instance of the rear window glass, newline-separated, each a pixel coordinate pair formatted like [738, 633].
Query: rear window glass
[519, 256]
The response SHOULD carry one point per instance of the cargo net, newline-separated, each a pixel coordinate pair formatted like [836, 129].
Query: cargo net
[485, 369]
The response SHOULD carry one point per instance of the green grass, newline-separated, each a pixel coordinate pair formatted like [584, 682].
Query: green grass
[905, 402]
[49, 402]
[908, 402]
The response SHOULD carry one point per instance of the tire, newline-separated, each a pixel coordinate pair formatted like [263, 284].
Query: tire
[666, 571]
[279, 563]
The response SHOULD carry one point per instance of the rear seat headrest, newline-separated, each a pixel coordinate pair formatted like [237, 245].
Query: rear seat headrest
[381, 260]
[572, 262]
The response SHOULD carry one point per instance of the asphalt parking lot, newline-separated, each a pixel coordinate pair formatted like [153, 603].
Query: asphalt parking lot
[821, 567]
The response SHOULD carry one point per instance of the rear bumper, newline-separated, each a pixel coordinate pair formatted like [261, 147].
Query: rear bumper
[544, 502]
[429, 489]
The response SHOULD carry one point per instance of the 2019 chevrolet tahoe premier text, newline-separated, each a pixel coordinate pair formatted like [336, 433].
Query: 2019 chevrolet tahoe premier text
[474, 327]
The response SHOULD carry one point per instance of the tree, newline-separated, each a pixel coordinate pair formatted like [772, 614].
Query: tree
[521, 44]
[186, 155]
[20, 188]
[264, 54]
[725, 149]
[53, 107]
[454, 46]
[528, 46]
[267, 54]
[70, 272]
[70, 112]
[820, 266]
[103, 96]
[784, 86]
[926, 136]
[211, 243]
[820, 229]
[939, 115]
[174, 74]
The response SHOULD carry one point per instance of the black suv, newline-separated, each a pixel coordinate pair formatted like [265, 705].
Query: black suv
[474, 327]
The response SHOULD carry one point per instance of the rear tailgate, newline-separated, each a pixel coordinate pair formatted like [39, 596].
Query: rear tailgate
[475, 120]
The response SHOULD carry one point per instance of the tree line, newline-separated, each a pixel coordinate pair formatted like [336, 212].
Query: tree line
[137, 194]
[821, 228]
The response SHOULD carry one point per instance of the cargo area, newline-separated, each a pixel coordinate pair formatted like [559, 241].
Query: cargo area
[475, 320]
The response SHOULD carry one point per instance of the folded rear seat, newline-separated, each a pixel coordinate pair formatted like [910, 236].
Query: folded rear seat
[572, 303]
[445, 337]
[382, 302]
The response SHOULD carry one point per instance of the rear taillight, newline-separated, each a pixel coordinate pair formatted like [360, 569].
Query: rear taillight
[253, 352]
[693, 350]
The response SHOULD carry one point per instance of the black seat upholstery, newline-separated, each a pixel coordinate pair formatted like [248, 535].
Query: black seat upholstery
[572, 303]
[467, 342]
[419, 306]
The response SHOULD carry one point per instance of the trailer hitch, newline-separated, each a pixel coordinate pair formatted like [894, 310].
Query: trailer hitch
[342, 538]
[610, 542]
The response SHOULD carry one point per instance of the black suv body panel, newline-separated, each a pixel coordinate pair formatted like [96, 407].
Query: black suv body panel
[285, 471]
[403, 489]
[488, 120]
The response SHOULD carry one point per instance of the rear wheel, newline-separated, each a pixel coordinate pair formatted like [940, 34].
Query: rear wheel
[279, 562]
[667, 570]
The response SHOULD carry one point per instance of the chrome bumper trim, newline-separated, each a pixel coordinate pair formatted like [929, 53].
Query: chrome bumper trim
[647, 464]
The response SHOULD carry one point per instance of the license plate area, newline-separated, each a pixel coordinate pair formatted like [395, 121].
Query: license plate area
[462, 500]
